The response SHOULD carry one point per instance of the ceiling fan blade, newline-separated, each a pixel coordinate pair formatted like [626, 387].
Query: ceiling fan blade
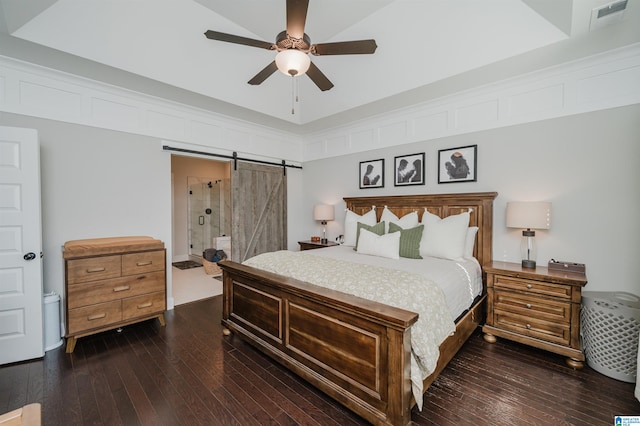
[319, 78]
[296, 17]
[262, 75]
[345, 48]
[230, 38]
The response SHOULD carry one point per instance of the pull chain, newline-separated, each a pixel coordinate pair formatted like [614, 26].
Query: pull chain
[293, 95]
[295, 88]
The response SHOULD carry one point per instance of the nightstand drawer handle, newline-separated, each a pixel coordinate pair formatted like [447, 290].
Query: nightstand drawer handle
[94, 270]
[145, 305]
[528, 305]
[529, 286]
[121, 288]
[144, 263]
[528, 326]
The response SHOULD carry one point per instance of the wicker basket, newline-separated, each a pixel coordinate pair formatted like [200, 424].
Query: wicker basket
[211, 268]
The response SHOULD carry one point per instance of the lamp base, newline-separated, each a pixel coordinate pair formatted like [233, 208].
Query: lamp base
[531, 264]
[323, 241]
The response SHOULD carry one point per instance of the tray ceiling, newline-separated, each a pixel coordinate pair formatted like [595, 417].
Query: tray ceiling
[420, 43]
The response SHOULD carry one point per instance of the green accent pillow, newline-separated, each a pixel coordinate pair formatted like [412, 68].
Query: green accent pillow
[377, 229]
[409, 240]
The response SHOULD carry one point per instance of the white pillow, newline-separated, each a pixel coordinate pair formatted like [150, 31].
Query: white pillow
[387, 245]
[351, 220]
[409, 220]
[470, 242]
[446, 237]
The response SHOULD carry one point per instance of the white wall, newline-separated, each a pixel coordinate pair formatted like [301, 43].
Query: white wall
[97, 183]
[584, 164]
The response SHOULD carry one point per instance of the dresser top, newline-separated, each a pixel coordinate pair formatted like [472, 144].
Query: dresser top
[110, 245]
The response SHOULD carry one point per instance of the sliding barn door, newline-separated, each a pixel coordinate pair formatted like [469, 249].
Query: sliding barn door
[259, 210]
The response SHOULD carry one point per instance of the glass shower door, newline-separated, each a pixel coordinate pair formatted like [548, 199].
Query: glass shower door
[204, 213]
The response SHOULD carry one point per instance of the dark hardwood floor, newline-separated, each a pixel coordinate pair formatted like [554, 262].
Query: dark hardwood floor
[189, 373]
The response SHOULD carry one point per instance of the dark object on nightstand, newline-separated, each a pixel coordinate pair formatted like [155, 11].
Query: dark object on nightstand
[310, 245]
[537, 307]
[563, 265]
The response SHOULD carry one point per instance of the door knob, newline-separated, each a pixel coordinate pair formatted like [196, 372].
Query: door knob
[29, 256]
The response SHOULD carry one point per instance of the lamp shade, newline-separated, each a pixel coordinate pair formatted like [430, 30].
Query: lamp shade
[529, 215]
[292, 62]
[323, 212]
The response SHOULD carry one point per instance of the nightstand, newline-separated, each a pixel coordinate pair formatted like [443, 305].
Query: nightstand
[310, 245]
[537, 307]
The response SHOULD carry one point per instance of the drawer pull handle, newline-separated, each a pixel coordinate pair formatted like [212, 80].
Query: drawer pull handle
[528, 326]
[529, 286]
[121, 288]
[96, 316]
[144, 263]
[93, 270]
[145, 305]
[528, 305]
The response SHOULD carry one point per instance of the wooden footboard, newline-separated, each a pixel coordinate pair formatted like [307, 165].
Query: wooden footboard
[356, 351]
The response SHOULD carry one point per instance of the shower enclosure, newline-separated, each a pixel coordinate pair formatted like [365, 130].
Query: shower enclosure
[209, 212]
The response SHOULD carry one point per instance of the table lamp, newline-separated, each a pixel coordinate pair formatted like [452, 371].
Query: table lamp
[323, 213]
[528, 215]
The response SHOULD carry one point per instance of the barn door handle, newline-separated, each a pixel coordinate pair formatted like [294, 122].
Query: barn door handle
[29, 256]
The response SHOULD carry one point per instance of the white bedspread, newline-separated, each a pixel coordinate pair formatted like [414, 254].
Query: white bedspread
[461, 281]
[396, 288]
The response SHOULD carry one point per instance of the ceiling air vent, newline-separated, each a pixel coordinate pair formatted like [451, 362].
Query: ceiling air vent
[607, 14]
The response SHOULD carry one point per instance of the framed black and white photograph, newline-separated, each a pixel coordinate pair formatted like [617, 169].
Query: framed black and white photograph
[372, 174]
[409, 170]
[458, 164]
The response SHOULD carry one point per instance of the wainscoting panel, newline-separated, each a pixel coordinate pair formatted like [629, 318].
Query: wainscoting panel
[602, 81]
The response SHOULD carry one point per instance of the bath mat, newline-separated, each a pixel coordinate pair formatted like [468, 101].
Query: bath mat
[187, 264]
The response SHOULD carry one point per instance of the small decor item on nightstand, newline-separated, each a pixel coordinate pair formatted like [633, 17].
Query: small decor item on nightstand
[528, 216]
[315, 239]
[563, 265]
[323, 213]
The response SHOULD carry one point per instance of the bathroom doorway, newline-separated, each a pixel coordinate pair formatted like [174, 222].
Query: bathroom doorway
[191, 174]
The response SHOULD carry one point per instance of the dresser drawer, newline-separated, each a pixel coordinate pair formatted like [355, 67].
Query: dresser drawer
[533, 306]
[93, 269]
[527, 326]
[532, 287]
[146, 304]
[94, 316]
[139, 263]
[85, 294]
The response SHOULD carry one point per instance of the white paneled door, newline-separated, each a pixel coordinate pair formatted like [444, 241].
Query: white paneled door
[21, 335]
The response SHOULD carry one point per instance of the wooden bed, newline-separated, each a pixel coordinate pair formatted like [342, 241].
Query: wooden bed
[356, 351]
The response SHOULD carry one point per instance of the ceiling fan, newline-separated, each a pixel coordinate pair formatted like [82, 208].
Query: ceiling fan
[294, 46]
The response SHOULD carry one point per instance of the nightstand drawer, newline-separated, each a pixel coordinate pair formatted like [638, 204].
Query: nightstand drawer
[532, 287]
[545, 330]
[533, 307]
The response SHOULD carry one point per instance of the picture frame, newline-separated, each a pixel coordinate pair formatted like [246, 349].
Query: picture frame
[409, 169]
[372, 174]
[458, 164]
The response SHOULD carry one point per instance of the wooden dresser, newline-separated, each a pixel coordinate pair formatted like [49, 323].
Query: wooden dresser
[112, 282]
[536, 307]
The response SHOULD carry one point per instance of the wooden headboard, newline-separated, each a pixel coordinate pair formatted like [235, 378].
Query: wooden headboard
[479, 204]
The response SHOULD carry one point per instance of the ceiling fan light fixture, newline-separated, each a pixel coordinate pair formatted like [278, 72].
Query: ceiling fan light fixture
[292, 62]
